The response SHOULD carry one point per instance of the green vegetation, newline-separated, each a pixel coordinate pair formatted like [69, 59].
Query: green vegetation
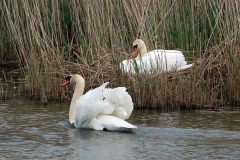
[49, 39]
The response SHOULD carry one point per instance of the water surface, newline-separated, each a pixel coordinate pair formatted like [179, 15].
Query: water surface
[31, 131]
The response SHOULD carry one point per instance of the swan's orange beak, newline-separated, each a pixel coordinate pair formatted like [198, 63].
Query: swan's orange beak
[134, 53]
[66, 82]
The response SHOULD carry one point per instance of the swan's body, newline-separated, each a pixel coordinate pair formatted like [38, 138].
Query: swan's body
[101, 108]
[158, 60]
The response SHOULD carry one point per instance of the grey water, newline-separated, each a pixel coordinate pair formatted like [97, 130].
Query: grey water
[31, 131]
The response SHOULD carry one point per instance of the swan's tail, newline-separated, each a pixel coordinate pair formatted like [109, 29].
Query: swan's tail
[185, 67]
[111, 123]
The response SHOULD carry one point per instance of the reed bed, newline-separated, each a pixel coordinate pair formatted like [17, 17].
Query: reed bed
[50, 39]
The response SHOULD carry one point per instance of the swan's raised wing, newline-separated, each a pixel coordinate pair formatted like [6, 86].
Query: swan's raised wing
[121, 100]
[90, 105]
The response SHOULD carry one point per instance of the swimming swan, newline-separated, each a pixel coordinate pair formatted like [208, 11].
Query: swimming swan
[158, 60]
[101, 108]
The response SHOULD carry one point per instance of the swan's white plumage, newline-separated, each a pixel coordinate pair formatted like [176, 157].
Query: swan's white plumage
[121, 100]
[158, 60]
[111, 123]
[104, 108]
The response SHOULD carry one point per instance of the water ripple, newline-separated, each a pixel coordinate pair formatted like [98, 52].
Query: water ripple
[30, 131]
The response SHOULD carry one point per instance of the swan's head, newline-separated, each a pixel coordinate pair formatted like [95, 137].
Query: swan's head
[138, 45]
[72, 78]
[67, 80]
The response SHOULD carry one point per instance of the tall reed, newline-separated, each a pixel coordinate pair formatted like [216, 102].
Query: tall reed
[52, 38]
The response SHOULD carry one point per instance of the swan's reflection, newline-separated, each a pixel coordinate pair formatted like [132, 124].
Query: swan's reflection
[92, 144]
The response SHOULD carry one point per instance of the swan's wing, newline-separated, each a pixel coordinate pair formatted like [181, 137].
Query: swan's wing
[87, 111]
[92, 104]
[127, 66]
[167, 60]
[95, 93]
[121, 100]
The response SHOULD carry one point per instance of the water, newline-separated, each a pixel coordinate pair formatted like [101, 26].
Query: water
[30, 131]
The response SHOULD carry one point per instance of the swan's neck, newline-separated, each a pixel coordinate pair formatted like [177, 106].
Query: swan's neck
[143, 50]
[78, 91]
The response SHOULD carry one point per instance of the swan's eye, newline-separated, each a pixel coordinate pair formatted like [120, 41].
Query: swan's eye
[67, 78]
[135, 46]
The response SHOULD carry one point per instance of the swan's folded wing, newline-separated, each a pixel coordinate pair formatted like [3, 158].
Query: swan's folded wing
[127, 66]
[167, 60]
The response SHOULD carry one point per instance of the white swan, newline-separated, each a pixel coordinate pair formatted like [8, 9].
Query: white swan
[158, 60]
[101, 108]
